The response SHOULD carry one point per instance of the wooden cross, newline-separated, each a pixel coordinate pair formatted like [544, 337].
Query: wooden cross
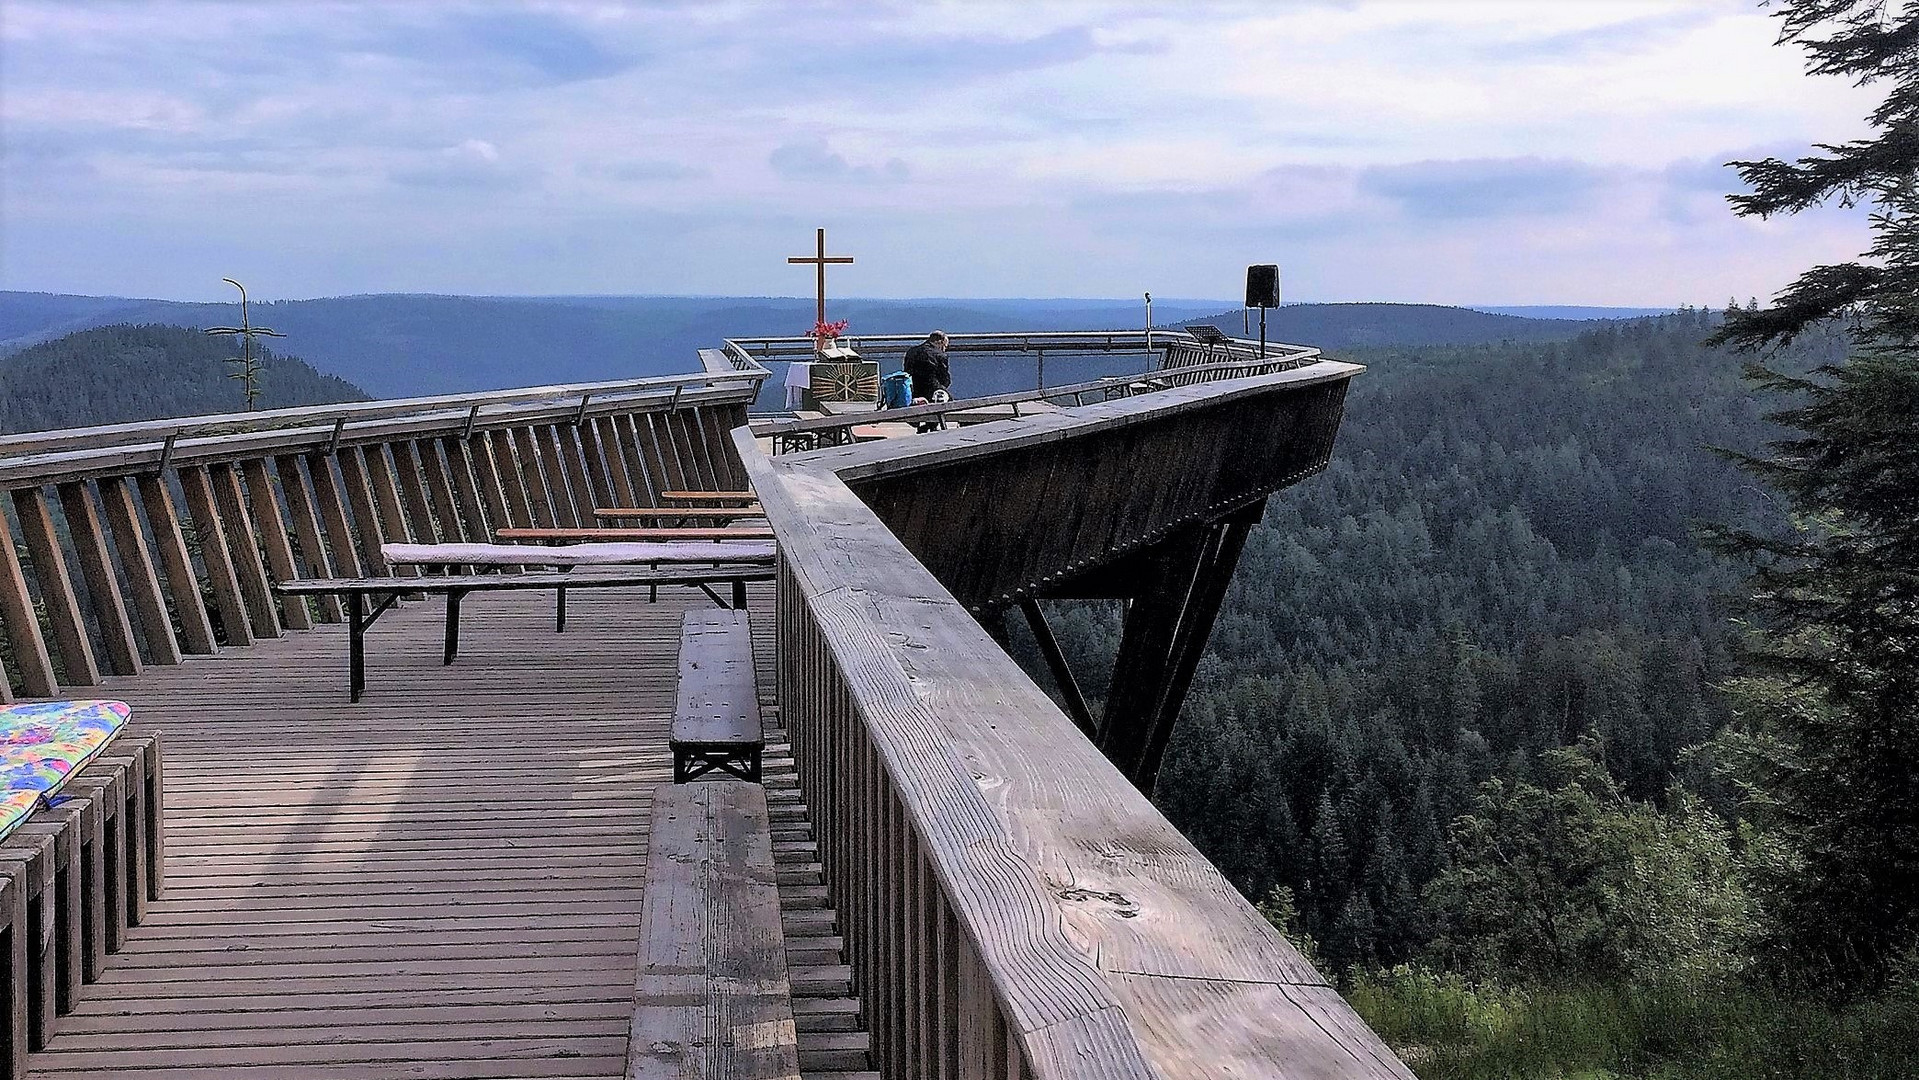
[820, 260]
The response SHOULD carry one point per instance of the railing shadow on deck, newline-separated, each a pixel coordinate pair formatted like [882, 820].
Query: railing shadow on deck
[1014, 906]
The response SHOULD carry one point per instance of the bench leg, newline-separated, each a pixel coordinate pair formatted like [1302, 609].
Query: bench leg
[13, 974]
[453, 598]
[739, 595]
[559, 617]
[358, 622]
[356, 645]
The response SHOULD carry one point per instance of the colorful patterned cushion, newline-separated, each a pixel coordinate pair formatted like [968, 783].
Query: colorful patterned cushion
[43, 743]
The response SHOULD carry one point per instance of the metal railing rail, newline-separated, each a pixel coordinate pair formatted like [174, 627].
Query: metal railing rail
[1186, 362]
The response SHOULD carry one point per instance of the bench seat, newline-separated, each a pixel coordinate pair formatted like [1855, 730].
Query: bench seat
[716, 720]
[639, 535]
[43, 743]
[74, 875]
[721, 498]
[592, 554]
[678, 513]
[712, 995]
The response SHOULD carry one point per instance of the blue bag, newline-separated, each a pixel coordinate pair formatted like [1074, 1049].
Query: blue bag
[896, 391]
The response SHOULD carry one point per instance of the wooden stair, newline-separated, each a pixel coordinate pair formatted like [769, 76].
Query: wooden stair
[834, 1044]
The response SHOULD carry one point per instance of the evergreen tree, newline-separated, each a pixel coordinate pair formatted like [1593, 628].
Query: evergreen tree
[1840, 591]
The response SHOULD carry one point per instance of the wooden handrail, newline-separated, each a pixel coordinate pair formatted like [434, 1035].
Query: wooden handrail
[34, 442]
[1003, 885]
[123, 456]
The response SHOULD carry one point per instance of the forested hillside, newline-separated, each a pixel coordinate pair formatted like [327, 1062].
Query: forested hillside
[116, 374]
[1449, 714]
[1500, 561]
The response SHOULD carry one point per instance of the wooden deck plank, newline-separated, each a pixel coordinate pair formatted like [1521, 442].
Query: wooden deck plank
[441, 881]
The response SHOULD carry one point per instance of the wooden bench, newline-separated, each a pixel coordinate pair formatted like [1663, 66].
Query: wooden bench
[382, 593]
[680, 514]
[73, 877]
[716, 719]
[642, 535]
[716, 498]
[712, 997]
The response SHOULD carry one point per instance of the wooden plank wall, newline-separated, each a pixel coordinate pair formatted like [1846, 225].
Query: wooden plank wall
[102, 574]
[995, 528]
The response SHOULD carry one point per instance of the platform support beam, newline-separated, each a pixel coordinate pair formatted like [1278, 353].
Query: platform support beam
[1181, 584]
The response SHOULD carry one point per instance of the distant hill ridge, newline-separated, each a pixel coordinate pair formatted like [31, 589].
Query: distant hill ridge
[397, 345]
[1335, 326]
[123, 373]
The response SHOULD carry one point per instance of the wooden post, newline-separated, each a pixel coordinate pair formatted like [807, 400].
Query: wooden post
[606, 440]
[366, 516]
[572, 460]
[243, 548]
[143, 583]
[491, 483]
[497, 453]
[532, 472]
[419, 514]
[476, 497]
[626, 437]
[601, 465]
[332, 507]
[274, 541]
[386, 498]
[22, 623]
[666, 453]
[196, 629]
[56, 589]
[209, 534]
[439, 489]
[307, 530]
[103, 588]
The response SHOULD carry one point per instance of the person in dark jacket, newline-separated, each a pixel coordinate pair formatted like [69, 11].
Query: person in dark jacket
[926, 363]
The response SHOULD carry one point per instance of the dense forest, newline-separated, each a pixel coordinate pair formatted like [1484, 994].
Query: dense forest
[121, 373]
[1502, 560]
[1456, 731]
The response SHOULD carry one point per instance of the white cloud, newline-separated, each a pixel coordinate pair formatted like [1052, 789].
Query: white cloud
[1469, 151]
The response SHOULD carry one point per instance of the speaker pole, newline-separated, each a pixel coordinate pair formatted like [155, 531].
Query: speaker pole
[1262, 333]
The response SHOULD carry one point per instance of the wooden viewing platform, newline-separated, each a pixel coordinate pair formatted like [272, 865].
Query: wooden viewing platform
[441, 881]
[447, 878]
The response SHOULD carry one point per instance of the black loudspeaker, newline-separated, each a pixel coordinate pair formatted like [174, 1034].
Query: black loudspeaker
[1262, 285]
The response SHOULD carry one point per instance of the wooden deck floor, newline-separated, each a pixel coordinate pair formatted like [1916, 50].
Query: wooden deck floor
[441, 881]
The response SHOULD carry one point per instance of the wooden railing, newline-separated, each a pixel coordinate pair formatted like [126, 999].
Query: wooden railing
[141, 543]
[1183, 361]
[1012, 905]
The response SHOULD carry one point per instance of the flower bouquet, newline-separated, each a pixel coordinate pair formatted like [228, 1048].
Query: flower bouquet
[826, 333]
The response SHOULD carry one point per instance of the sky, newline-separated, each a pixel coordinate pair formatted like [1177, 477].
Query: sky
[1442, 151]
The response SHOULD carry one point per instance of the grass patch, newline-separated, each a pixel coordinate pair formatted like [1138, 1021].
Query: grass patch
[1449, 1029]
